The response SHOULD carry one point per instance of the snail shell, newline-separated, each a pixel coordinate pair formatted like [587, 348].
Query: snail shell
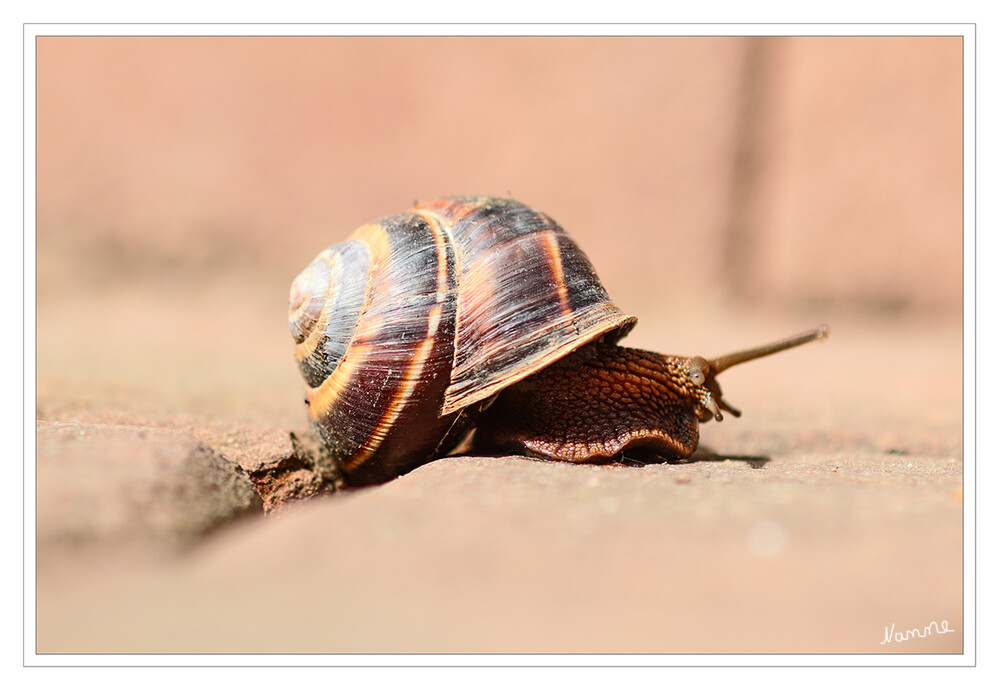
[408, 328]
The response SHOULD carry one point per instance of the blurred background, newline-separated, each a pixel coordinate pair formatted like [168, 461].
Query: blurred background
[183, 182]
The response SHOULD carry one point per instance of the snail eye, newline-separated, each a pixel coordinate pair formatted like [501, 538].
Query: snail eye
[696, 376]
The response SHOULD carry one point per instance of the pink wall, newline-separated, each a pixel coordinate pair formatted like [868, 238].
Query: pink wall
[788, 171]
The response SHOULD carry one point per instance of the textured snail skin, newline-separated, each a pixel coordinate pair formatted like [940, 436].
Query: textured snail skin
[481, 311]
[411, 325]
[606, 399]
[592, 409]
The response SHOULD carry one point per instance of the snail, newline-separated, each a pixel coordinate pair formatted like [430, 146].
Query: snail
[481, 312]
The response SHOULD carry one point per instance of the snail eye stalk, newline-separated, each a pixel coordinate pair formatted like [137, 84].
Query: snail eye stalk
[698, 367]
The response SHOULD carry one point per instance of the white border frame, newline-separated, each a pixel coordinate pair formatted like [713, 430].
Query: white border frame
[969, 628]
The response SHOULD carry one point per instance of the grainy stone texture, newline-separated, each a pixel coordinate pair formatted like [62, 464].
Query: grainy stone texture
[831, 509]
[283, 466]
[512, 555]
[125, 485]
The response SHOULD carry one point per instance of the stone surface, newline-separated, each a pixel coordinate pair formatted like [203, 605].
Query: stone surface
[283, 466]
[470, 554]
[831, 509]
[132, 486]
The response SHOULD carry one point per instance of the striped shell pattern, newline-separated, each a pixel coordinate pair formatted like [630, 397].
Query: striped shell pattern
[408, 328]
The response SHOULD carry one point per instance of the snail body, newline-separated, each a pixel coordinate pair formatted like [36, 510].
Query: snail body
[479, 311]
[593, 407]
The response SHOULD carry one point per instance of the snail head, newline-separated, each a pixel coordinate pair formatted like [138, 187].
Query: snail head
[704, 391]
[700, 373]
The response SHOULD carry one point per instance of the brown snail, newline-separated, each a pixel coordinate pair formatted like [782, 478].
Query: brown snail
[482, 312]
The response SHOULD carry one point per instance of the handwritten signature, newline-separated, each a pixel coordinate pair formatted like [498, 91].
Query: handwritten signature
[903, 635]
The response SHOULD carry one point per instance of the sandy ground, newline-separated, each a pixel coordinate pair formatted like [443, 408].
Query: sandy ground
[830, 511]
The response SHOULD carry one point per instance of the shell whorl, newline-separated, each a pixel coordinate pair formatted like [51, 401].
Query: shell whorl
[324, 307]
[373, 321]
[404, 327]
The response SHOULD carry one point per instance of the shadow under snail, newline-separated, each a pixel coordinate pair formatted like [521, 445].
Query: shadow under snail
[482, 312]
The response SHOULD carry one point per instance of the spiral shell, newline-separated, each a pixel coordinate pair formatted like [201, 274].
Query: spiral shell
[405, 330]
